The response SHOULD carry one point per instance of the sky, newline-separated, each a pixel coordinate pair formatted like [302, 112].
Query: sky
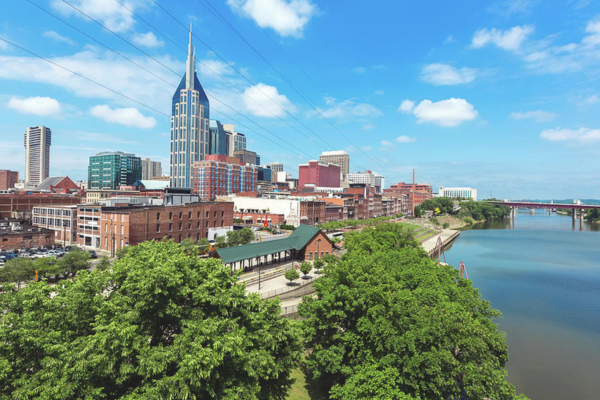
[500, 96]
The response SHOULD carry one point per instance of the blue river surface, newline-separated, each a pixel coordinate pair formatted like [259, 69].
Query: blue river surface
[543, 274]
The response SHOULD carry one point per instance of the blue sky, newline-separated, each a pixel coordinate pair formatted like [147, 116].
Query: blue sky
[501, 96]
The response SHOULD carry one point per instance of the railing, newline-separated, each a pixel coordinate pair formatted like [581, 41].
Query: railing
[289, 310]
[276, 292]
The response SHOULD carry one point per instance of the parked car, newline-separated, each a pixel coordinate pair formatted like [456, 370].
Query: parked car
[92, 254]
[69, 248]
[10, 255]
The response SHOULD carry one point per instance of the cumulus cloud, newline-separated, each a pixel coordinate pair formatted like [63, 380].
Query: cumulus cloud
[57, 37]
[265, 101]
[537, 116]
[385, 143]
[124, 116]
[510, 39]
[444, 74]
[147, 40]
[407, 106]
[109, 12]
[405, 139]
[446, 113]
[581, 135]
[348, 109]
[45, 106]
[286, 17]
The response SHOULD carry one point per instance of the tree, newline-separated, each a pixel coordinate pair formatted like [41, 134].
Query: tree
[389, 322]
[17, 270]
[419, 212]
[75, 261]
[246, 235]
[203, 246]
[233, 238]
[221, 241]
[122, 252]
[593, 214]
[291, 275]
[159, 325]
[318, 263]
[103, 264]
[305, 267]
[189, 246]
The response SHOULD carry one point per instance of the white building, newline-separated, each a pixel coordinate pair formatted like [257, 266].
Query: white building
[454, 192]
[37, 154]
[372, 179]
[151, 169]
[61, 219]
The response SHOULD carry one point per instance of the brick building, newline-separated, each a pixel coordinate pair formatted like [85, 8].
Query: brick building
[256, 218]
[111, 228]
[61, 220]
[15, 235]
[22, 204]
[58, 184]
[220, 175]
[8, 179]
[319, 174]
[403, 190]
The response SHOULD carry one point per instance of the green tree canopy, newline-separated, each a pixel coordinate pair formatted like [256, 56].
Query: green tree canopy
[291, 275]
[390, 323]
[158, 325]
[305, 267]
[246, 235]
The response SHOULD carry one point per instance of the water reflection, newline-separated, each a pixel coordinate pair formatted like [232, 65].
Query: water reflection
[537, 221]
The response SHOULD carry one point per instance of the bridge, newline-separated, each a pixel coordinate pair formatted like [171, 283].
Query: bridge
[577, 208]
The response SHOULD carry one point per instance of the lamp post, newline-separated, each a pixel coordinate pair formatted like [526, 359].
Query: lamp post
[64, 224]
[318, 248]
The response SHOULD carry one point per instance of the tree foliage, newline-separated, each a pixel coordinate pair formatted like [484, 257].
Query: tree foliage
[390, 323]
[291, 275]
[159, 324]
[332, 225]
[305, 267]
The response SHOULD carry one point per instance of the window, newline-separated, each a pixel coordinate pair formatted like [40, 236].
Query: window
[170, 215]
[222, 223]
[190, 215]
[215, 214]
[207, 214]
[180, 214]
[170, 227]
[198, 215]
[310, 255]
[189, 226]
[157, 216]
[180, 226]
[222, 214]
[157, 228]
[206, 224]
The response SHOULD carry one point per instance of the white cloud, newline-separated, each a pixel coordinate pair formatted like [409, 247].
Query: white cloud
[57, 37]
[449, 39]
[444, 74]
[508, 40]
[407, 106]
[261, 99]
[450, 112]
[147, 40]
[405, 139]
[366, 148]
[348, 109]
[581, 135]
[46, 106]
[511, 7]
[386, 143]
[588, 101]
[286, 17]
[538, 115]
[124, 116]
[109, 12]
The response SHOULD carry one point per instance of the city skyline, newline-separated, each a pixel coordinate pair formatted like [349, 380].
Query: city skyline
[499, 97]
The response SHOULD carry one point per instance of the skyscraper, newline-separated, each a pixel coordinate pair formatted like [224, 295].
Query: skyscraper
[218, 138]
[37, 154]
[151, 169]
[189, 124]
[338, 157]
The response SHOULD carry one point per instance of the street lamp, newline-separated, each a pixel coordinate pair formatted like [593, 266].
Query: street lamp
[318, 248]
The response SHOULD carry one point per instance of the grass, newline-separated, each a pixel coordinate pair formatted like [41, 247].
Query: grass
[303, 390]
[427, 236]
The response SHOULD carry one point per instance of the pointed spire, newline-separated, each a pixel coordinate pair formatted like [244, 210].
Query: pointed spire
[190, 66]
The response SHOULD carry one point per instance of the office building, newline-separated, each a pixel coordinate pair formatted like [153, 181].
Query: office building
[8, 179]
[217, 138]
[338, 157]
[220, 175]
[151, 169]
[113, 169]
[456, 192]
[235, 141]
[189, 124]
[37, 154]
[319, 174]
[247, 156]
[62, 220]
[404, 191]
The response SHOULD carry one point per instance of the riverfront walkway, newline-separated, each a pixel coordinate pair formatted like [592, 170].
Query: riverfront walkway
[447, 235]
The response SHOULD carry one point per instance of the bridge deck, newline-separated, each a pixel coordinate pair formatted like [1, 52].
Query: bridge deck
[528, 204]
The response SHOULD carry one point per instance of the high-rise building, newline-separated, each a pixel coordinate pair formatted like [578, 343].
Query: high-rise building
[112, 169]
[235, 141]
[338, 157]
[37, 154]
[189, 124]
[318, 174]
[8, 179]
[372, 179]
[217, 138]
[151, 169]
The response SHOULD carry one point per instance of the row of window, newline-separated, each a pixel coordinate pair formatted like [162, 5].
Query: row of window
[189, 225]
[189, 214]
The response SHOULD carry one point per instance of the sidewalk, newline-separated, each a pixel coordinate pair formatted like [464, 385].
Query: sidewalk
[279, 283]
[430, 243]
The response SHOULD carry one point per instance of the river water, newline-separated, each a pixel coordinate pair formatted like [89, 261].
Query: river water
[545, 279]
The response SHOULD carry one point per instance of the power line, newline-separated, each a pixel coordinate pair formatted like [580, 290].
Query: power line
[284, 78]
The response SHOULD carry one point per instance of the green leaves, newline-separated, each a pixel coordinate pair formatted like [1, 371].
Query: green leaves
[390, 323]
[291, 275]
[158, 324]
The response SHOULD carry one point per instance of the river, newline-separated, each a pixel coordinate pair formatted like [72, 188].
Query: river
[545, 279]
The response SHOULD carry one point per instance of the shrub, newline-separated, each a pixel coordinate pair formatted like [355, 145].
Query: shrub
[446, 225]
[291, 275]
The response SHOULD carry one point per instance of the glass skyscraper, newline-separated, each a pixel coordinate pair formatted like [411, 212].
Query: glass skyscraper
[112, 169]
[189, 124]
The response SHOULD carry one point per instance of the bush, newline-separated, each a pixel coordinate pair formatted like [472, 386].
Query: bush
[287, 227]
[434, 221]
[468, 220]
[446, 225]
[238, 221]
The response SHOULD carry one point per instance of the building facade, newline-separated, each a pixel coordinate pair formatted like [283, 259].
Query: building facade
[113, 169]
[8, 179]
[151, 169]
[318, 174]
[404, 191]
[61, 220]
[236, 141]
[220, 175]
[189, 124]
[21, 205]
[247, 156]
[37, 154]
[217, 138]
[337, 157]
[16, 235]
[455, 192]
